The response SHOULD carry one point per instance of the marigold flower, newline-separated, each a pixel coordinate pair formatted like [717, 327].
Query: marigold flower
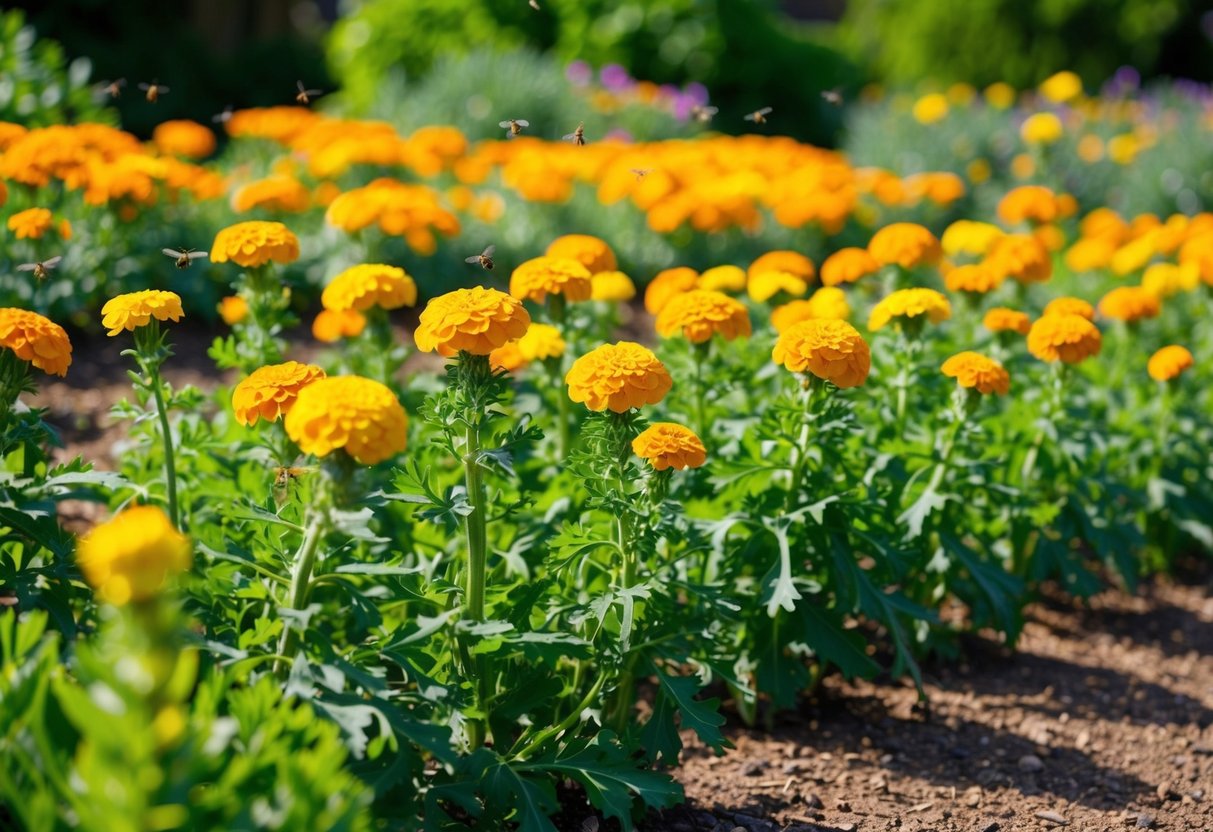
[618, 377]
[931, 108]
[285, 194]
[847, 265]
[357, 414]
[612, 287]
[1164, 280]
[1002, 319]
[1022, 257]
[763, 286]
[974, 370]
[723, 279]
[268, 392]
[906, 244]
[1029, 203]
[1169, 362]
[542, 276]
[369, 284]
[969, 237]
[331, 325]
[130, 557]
[1061, 87]
[541, 342]
[1041, 128]
[1067, 338]
[1129, 304]
[827, 302]
[977, 278]
[669, 445]
[35, 339]
[255, 243]
[700, 313]
[136, 309]
[829, 349]
[477, 321]
[590, 252]
[1090, 254]
[1000, 95]
[1070, 306]
[182, 137]
[782, 260]
[30, 224]
[507, 357]
[667, 284]
[233, 309]
[908, 304]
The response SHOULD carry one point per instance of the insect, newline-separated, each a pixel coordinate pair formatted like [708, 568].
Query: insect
[833, 96]
[41, 269]
[305, 96]
[513, 126]
[484, 258]
[759, 116]
[284, 474]
[154, 90]
[112, 88]
[183, 256]
[534, 4]
[577, 137]
[641, 173]
[703, 113]
[224, 117]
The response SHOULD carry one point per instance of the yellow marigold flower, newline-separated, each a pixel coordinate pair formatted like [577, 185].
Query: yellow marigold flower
[978, 278]
[269, 392]
[542, 276]
[590, 252]
[1003, 319]
[669, 445]
[667, 284]
[847, 265]
[1123, 149]
[35, 339]
[331, 325]
[130, 557]
[968, 237]
[30, 224]
[1029, 203]
[233, 309]
[700, 313]
[1070, 306]
[136, 309]
[507, 357]
[830, 349]
[908, 304]
[1067, 338]
[827, 302]
[1061, 87]
[65, 230]
[906, 244]
[1134, 255]
[541, 342]
[183, 137]
[255, 243]
[1129, 304]
[1169, 362]
[1050, 236]
[931, 108]
[1165, 280]
[723, 279]
[369, 284]
[782, 260]
[612, 287]
[357, 414]
[274, 193]
[477, 321]
[1090, 254]
[1000, 95]
[974, 370]
[1041, 128]
[1090, 148]
[1022, 257]
[618, 377]
[763, 286]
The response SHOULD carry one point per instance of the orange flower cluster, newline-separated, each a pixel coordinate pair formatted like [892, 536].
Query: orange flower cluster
[699, 314]
[35, 339]
[669, 445]
[905, 244]
[829, 349]
[1169, 362]
[414, 212]
[1035, 205]
[253, 244]
[1067, 338]
[268, 393]
[589, 251]
[542, 276]
[476, 321]
[618, 377]
[284, 194]
[976, 371]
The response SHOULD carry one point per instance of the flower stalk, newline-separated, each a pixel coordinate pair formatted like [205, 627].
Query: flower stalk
[150, 353]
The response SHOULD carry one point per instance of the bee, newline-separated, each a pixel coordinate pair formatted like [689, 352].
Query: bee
[183, 256]
[153, 91]
[703, 113]
[577, 137]
[224, 117]
[112, 88]
[283, 475]
[513, 126]
[305, 96]
[641, 173]
[484, 258]
[759, 116]
[41, 269]
[833, 96]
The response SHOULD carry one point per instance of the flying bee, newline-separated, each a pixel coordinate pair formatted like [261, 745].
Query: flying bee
[112, 88]
[224, 117]
[759, 116]
[153, 91]
[641, 173]
[183, 256]
[703, 113]
[833, 96]
[513, 126]
[484, 258]
[41, 269]
[305, 96]
[283, 475]
[577, 137]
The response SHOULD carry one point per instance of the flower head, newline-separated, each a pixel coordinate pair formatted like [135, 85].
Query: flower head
[1033, 204]
[723, 279]
[612, 286]
[541, 342]
[369, 284]
[129, 557]
[590, 252]
[1041, 128]
[1066, 338]
[1169, 362]
[977, 278]
[136, 309]
[1069, 306]
[1129, 304]
[1164, 280]
[1061, 87]
[847, 265]
[668, 445]
[907, 304]
[233, 309]
[477, 321]
[618, 377]
[182, 137]
[542, 276]
[969, 237]
[699, 314]
[36, 339]
[976, 371]
[829, 349]
[905, 244]
[357, 414]
[30, 224]
[507, 357]
[331, 326]
[255, 243]
[789, 262]
[1003, 319]
[269, 392]
[826, 302]
[666, 284]
[1022, 257]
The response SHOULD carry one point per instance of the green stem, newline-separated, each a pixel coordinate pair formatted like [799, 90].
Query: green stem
[473, 602]
[800, 452]
[566, 723]
[702, 352]
[170, 464]
[301, 581]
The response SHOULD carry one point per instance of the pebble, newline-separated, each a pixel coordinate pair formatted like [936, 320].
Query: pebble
[845, 827]
[1164, 790]
[992, 826]
[813, 802]
[1145, 821]
[753, 768]
[1031, 763]
[1052, 817]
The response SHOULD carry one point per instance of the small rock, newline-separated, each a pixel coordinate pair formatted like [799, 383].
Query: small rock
[992, 826]
[753, 768]
[1031, 763]
[846, 827]
[1052, 817]
[1145, 821]
[813, 802]
[843, 806]
[1164, 791]
[972, 797]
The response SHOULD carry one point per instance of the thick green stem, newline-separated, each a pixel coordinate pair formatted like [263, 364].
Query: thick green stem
[473, 601]
[301, 582]
[702, 352]
[170, 464]
[800, 452]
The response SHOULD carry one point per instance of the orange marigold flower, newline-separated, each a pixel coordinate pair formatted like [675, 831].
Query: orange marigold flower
[827, 302]
[477, 321]
[255, 243]
[974, 370]
[182, 137]
[508, 357]
[331, 325]
[233, 309]
[978, 278]
[590, 252]
[723, 279]
[1029, 203]
[136, 309]
[130, 557]
[1129, 304]
[667, 284]
[1089, 254]
[700, 313]
[905, 244]
[612, 286]
[789, 262]
[269, 392]
[369, 284]
[909, 304]
[274, 193]
[360, 415]
[847, 265]
[1022, 257]
[618, 377]
[765, 285]
[1067, 338]
[30, 224]
[35, 339]
[542, 276]
[829, 349]
[969, 237]
[1169, 362]
[541, 342]
[1070, 306]
[669, 445]
[1003, 319]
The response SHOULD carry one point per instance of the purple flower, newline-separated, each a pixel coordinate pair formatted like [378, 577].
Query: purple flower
[614, 77]
[697, 92]
[618, 134]
[1123, 82]
[579, 73]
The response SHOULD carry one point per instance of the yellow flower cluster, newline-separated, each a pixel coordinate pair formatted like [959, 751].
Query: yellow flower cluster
[36, 340]
[827, 302]
[269, 392]
[830, 349]
[699, 314]
[669, 445]
[414, 212]
[542, 276]
[253, 244]
[590, 252]
[541, 342]
[475, 321]
[136, 309]
[368, 285]
[618, 377]
[360, 416]
[131, 557]
[908, 304]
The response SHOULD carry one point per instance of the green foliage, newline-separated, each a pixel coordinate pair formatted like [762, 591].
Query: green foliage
[42, 87]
